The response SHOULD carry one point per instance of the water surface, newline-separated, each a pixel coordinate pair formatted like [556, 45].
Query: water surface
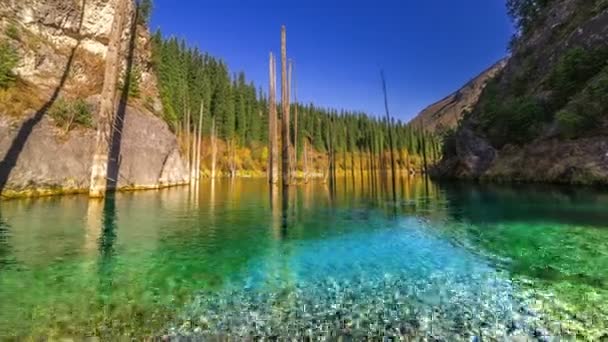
[449, 261]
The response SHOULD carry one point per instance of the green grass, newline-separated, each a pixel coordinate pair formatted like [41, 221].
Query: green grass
[71, 113]
[8, 61]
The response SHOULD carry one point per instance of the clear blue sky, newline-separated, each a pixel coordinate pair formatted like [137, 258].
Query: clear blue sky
[428, 48]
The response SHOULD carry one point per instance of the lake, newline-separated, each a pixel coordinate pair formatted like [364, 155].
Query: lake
[452, 261]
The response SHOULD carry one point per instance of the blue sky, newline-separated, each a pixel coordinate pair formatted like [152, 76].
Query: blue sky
[427, 48]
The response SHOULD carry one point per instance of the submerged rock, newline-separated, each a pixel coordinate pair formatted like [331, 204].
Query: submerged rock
[471, 308]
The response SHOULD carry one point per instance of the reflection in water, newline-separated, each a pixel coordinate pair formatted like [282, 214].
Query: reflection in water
[6, 258]
[137, 259]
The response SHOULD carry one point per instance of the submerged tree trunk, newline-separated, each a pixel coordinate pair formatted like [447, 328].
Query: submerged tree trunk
[107, 106]
[286, 174]
[273, 148]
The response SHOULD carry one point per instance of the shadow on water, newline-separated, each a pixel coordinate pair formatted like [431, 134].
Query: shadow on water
[119, 119]
[106, 244]
[12, 155]
[492, 203]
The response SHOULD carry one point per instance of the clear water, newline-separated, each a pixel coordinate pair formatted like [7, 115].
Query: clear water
[446, 261]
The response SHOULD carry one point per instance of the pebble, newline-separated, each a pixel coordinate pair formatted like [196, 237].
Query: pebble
[475, 308]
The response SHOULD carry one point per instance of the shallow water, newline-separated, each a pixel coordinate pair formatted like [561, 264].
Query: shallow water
[448, 261]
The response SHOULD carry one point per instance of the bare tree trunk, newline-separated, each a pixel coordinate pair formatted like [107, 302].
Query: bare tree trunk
[390, 138]
[213, 149]
[193, 152]
[285, 104]
[295, 119]
[188, 142]
[233, 158]
[107, 106]
[352, 165]
[292, 151]
[305, 160]
[200, 141]
[273, 158]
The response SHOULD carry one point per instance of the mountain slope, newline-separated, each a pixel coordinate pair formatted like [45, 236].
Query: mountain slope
[545, 117]
[445, 114]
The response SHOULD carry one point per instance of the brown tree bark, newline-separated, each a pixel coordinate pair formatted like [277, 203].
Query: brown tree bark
[107, 106]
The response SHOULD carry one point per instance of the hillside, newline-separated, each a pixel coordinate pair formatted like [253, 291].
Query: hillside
[49, 96]
[445, 114]
[545, 117]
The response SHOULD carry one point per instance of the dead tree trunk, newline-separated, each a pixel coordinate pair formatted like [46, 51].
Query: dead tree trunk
[285, 109]
[273, 148]
[107, 106]
[295, 118]
[188, 142]
[200, 141]
[193, 141]
[390, 138]
[213, 149]
[305, 156]
[233, 158]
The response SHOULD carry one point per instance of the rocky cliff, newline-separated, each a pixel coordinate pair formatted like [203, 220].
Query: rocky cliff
[445, 114]
[544, 118]
[61, 46]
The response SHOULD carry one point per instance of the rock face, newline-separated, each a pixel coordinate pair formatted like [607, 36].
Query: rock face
[52, 162]
[515, 132]
[445, 114]
[61, 46]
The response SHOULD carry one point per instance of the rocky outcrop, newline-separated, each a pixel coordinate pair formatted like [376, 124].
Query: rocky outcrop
[445, 114]
[61, 46]
[53, 162]
[581, 161]
[524, 126]
[475, 156]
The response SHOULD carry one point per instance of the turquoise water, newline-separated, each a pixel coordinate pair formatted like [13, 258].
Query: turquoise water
[448, 261]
